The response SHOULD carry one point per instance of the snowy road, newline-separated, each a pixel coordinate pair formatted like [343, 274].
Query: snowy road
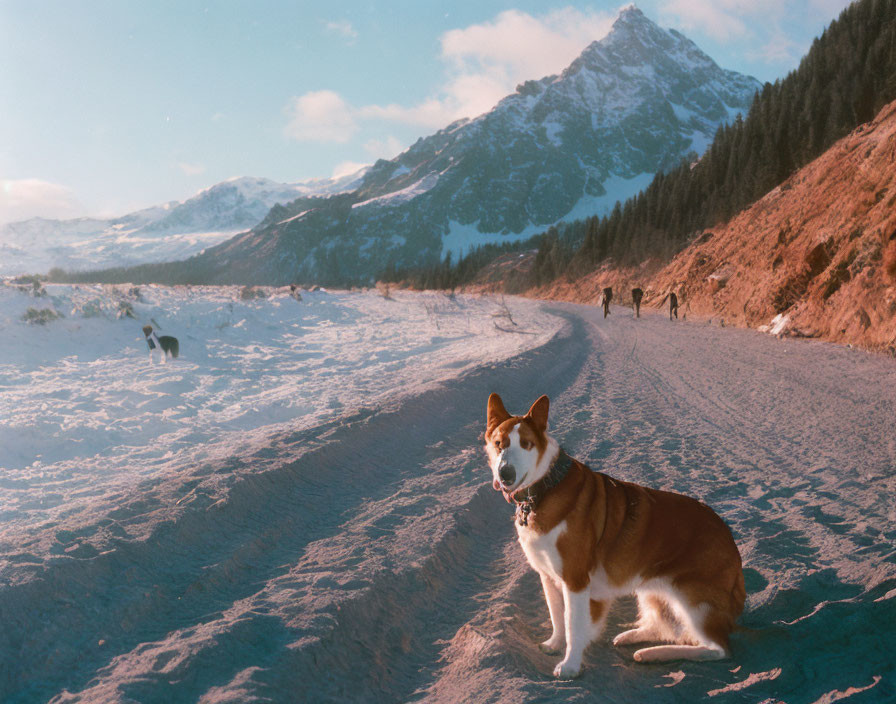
[369, 560]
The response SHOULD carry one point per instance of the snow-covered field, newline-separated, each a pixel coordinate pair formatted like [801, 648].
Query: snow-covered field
[299, 510]
[86, 421]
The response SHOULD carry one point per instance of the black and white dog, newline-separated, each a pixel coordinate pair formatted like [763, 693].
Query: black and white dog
[166, 345]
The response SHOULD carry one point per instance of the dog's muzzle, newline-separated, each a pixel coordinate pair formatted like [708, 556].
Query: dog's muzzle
[506, 471]
[507, 474]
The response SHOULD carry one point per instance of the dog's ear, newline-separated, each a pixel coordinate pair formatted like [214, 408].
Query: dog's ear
[497, 414]
[538, 414]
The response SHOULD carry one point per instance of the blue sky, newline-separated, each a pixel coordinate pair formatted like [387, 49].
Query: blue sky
[106, 107]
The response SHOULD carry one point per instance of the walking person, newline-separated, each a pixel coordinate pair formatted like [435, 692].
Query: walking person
[637, 295]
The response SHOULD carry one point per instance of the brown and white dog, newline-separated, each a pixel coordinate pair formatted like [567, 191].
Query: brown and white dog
[592, 538]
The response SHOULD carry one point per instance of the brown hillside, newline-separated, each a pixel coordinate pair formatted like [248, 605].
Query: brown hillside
[819, 251]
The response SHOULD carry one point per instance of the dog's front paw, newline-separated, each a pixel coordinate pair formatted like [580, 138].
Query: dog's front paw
[551, 646]
[566, 670]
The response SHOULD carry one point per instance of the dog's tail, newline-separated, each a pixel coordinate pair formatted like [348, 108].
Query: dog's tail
[175, 348]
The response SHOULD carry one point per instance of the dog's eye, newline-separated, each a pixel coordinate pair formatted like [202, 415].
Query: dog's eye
[525, 444]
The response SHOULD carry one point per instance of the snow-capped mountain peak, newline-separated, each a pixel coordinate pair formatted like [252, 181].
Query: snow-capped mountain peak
[559, 148]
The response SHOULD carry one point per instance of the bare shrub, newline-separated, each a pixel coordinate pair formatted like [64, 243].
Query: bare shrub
[248, 293]
[126, 310]
[790, 292]
[839, 276]
[40, 316]
[504, 312]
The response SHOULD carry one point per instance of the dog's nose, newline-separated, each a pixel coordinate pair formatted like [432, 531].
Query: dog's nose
[507, 473]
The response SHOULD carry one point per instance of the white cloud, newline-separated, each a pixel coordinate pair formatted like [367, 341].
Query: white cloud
[383, 148]
[343, 29]
[31, 197]
[763, 27]
[346, 168]
[779, 49]
[483, 63]
[191, 169]
[516, 46]
[716, 18]
[320, 116]
[726, 20]
[430, 113]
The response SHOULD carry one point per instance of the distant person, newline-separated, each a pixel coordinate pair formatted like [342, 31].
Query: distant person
[673, 305]
[294, 292]
[608, 296]
[637, 295]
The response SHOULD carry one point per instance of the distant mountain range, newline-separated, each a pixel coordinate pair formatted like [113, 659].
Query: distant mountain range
[164, 232]
[559, 148]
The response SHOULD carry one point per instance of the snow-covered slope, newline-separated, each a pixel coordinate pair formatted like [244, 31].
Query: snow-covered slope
[161, 233]
[562, 147]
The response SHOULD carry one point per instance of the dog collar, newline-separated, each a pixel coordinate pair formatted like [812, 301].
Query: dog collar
[527, 498]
